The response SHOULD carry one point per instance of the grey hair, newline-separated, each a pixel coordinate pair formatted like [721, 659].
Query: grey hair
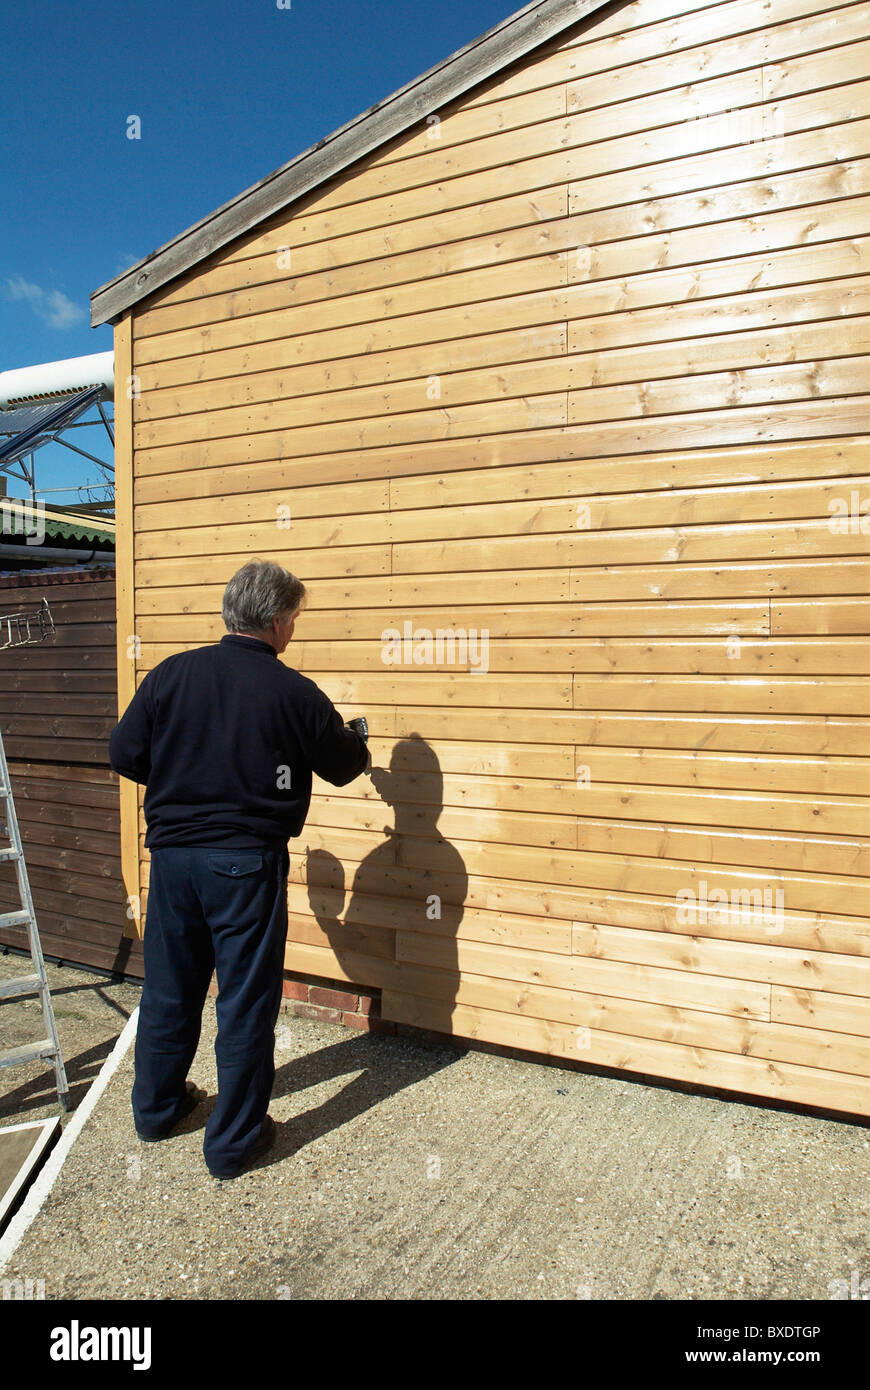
[257, 593]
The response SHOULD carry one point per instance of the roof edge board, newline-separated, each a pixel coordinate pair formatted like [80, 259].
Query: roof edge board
[479, 60]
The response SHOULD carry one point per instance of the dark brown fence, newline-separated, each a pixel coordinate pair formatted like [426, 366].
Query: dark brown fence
[58, 704]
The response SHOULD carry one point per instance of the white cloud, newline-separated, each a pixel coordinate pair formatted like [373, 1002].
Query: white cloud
[50, 305]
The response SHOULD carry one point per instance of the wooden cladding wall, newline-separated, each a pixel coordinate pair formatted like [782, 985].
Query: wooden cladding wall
[58, 704]
[583, 365]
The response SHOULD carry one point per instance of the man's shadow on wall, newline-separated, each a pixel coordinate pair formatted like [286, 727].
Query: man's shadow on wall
[406, 902]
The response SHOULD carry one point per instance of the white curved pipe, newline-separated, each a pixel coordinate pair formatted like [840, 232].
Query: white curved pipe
[21, 385]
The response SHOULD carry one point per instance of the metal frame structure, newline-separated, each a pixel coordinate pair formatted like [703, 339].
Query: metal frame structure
[28, 427]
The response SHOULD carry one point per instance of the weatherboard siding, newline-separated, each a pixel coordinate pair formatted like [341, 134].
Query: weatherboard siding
[57, 705]
[591, 285]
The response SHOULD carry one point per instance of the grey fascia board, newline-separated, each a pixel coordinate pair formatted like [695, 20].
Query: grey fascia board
[483, 58]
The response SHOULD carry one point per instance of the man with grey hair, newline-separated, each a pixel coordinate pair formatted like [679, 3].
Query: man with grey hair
[225, 739]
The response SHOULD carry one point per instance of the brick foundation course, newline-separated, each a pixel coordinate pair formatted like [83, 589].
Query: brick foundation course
[307, 996]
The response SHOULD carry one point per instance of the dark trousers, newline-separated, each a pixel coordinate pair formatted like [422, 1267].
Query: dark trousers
[223, 909]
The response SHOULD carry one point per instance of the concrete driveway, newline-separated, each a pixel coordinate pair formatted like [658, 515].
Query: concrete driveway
[410, 1170]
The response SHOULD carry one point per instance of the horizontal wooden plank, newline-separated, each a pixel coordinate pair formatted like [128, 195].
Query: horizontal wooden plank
[649, 355]
[718, 167]
[606, 255]
[82, 918]
[93, 858]
[603, 189]
[542, 270]
[35, 791]
[797, 419]
[801, 930]
[536, 412]
[111, 953]
[615, 384]
[645, 822]
[771, 964]
[101, 839]
[542, 117]
[719, 390]
[597, 144]
[793, 151]
[730, 694]
[648, 231]
[744, 1037]
[348, 375]
[798, 152]
[803, 891]
[634, 132]
[493, 826]
[636, 35]
[344, 560]
[85, 818]
[587, 584]
[734, 694]
[496, 652]
[97, 724]
[81, 752]
[651, 545]
[489, 477]
[801, 657]
[721, 840]
[542, 517]
[787, 211]
[742, 579]
[308, 252]
[832, 617]
[811, 1008]
[542, 620]
[98, 656]
[547, 471]
[796, 424]
[395, 892]
[798, 59]
[707, 993]
[692, 70]
[533, 692]
[779, 1080]
[368, 913]
[767, 771]
[813, 812]
[582, 551]
[92, 780]
[598, 306]
[37, 691]
[758, 732]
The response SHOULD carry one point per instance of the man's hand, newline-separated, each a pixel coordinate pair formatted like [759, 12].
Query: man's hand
[361, 727]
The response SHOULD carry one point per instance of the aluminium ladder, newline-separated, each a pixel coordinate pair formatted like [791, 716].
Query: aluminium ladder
[16, 631]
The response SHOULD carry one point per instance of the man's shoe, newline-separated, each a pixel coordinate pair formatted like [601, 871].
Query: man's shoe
[193, 1098]
[266, 1138]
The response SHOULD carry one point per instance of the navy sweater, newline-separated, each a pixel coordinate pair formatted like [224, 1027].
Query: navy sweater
[225, 739]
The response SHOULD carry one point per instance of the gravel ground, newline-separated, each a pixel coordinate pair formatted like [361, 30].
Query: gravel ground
[408, 1170]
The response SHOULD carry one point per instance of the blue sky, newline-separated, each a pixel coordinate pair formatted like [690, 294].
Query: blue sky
[226, 92]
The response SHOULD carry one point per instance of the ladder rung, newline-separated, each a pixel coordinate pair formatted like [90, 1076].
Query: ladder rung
[22, 984]
[14, 919]
[8, 854]
[28, 1052]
